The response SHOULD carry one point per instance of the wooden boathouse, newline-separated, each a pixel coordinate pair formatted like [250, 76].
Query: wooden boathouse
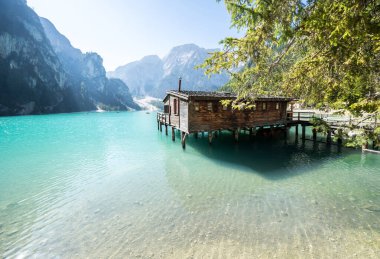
[201, 111]
[194, 112]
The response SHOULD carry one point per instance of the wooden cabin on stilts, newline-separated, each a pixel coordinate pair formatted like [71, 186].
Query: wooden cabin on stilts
[194, 112]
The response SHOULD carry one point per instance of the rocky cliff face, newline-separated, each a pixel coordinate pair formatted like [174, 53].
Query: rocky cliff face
[32, 79]
[37, 78]
[88, 74]
[153, 77]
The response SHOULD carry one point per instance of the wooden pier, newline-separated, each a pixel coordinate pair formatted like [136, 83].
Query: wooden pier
[298, 119]
[200, 112]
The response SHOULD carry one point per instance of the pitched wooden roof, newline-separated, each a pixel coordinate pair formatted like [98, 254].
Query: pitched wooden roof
[204, 95]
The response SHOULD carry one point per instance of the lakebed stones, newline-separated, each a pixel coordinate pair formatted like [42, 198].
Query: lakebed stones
[371, 208]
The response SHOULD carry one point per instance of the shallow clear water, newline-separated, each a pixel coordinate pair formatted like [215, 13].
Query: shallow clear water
[110, 185]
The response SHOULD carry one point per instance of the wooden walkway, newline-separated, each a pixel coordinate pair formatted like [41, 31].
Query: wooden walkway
[297, 118]
[369, 122]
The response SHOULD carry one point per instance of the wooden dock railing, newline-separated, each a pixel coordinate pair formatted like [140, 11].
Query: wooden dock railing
[163, 117]
[368, 122]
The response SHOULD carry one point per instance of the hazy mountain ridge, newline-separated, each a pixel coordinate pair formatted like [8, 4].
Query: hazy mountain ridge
[164, 74]
[140, 76]
[88, 73]
[40, 72]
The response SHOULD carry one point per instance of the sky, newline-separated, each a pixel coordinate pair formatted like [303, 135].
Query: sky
[122, 31]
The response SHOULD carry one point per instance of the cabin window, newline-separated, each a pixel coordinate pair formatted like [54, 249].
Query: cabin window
[166, 109]
[175, 104]
[209, 106]
[196, 106]
[264, 106]
[277, 106]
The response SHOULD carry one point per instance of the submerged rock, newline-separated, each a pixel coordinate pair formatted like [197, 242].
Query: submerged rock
[12, 205]
[372, 208]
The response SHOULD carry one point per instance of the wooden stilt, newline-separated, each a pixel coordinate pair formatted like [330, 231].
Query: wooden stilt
[365, 146]
[254, 131]
[314, 134]
[250, 132]
[328, 139]
[340, 132]
[183, 139]
[216, 134]
[160, 126]
[303, 132]
[236, 133]
[196, 135]
[210, 137]
[166, 129]
[296, 130]
[173, 134]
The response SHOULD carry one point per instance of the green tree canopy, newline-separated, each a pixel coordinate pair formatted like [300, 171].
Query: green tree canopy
[320, 51]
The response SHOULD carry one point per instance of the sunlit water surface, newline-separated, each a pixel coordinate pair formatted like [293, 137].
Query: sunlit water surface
[110, 185]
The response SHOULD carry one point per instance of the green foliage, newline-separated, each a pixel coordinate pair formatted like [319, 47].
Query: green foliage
[377, 131]
[357, 138]
[320, 125]
[320, 51]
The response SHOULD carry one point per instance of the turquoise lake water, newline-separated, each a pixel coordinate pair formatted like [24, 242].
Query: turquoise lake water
[102, 185]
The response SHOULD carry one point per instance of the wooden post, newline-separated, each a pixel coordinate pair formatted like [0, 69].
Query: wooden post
[210, 137]
[183, 139]
[196, 135]
[303, 132]
[296, 130]
[166, 129]
[236, 133]
[160, 126]
[365, 146]
[173, 134]
[158, 121]
[271, 130]
[314, 134]
[216, 134]
[254, 131]
[328, 139]
[340, 141]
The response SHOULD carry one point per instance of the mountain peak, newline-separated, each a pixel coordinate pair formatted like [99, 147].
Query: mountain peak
[150, 58]
[152, 76]
[186, 47]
